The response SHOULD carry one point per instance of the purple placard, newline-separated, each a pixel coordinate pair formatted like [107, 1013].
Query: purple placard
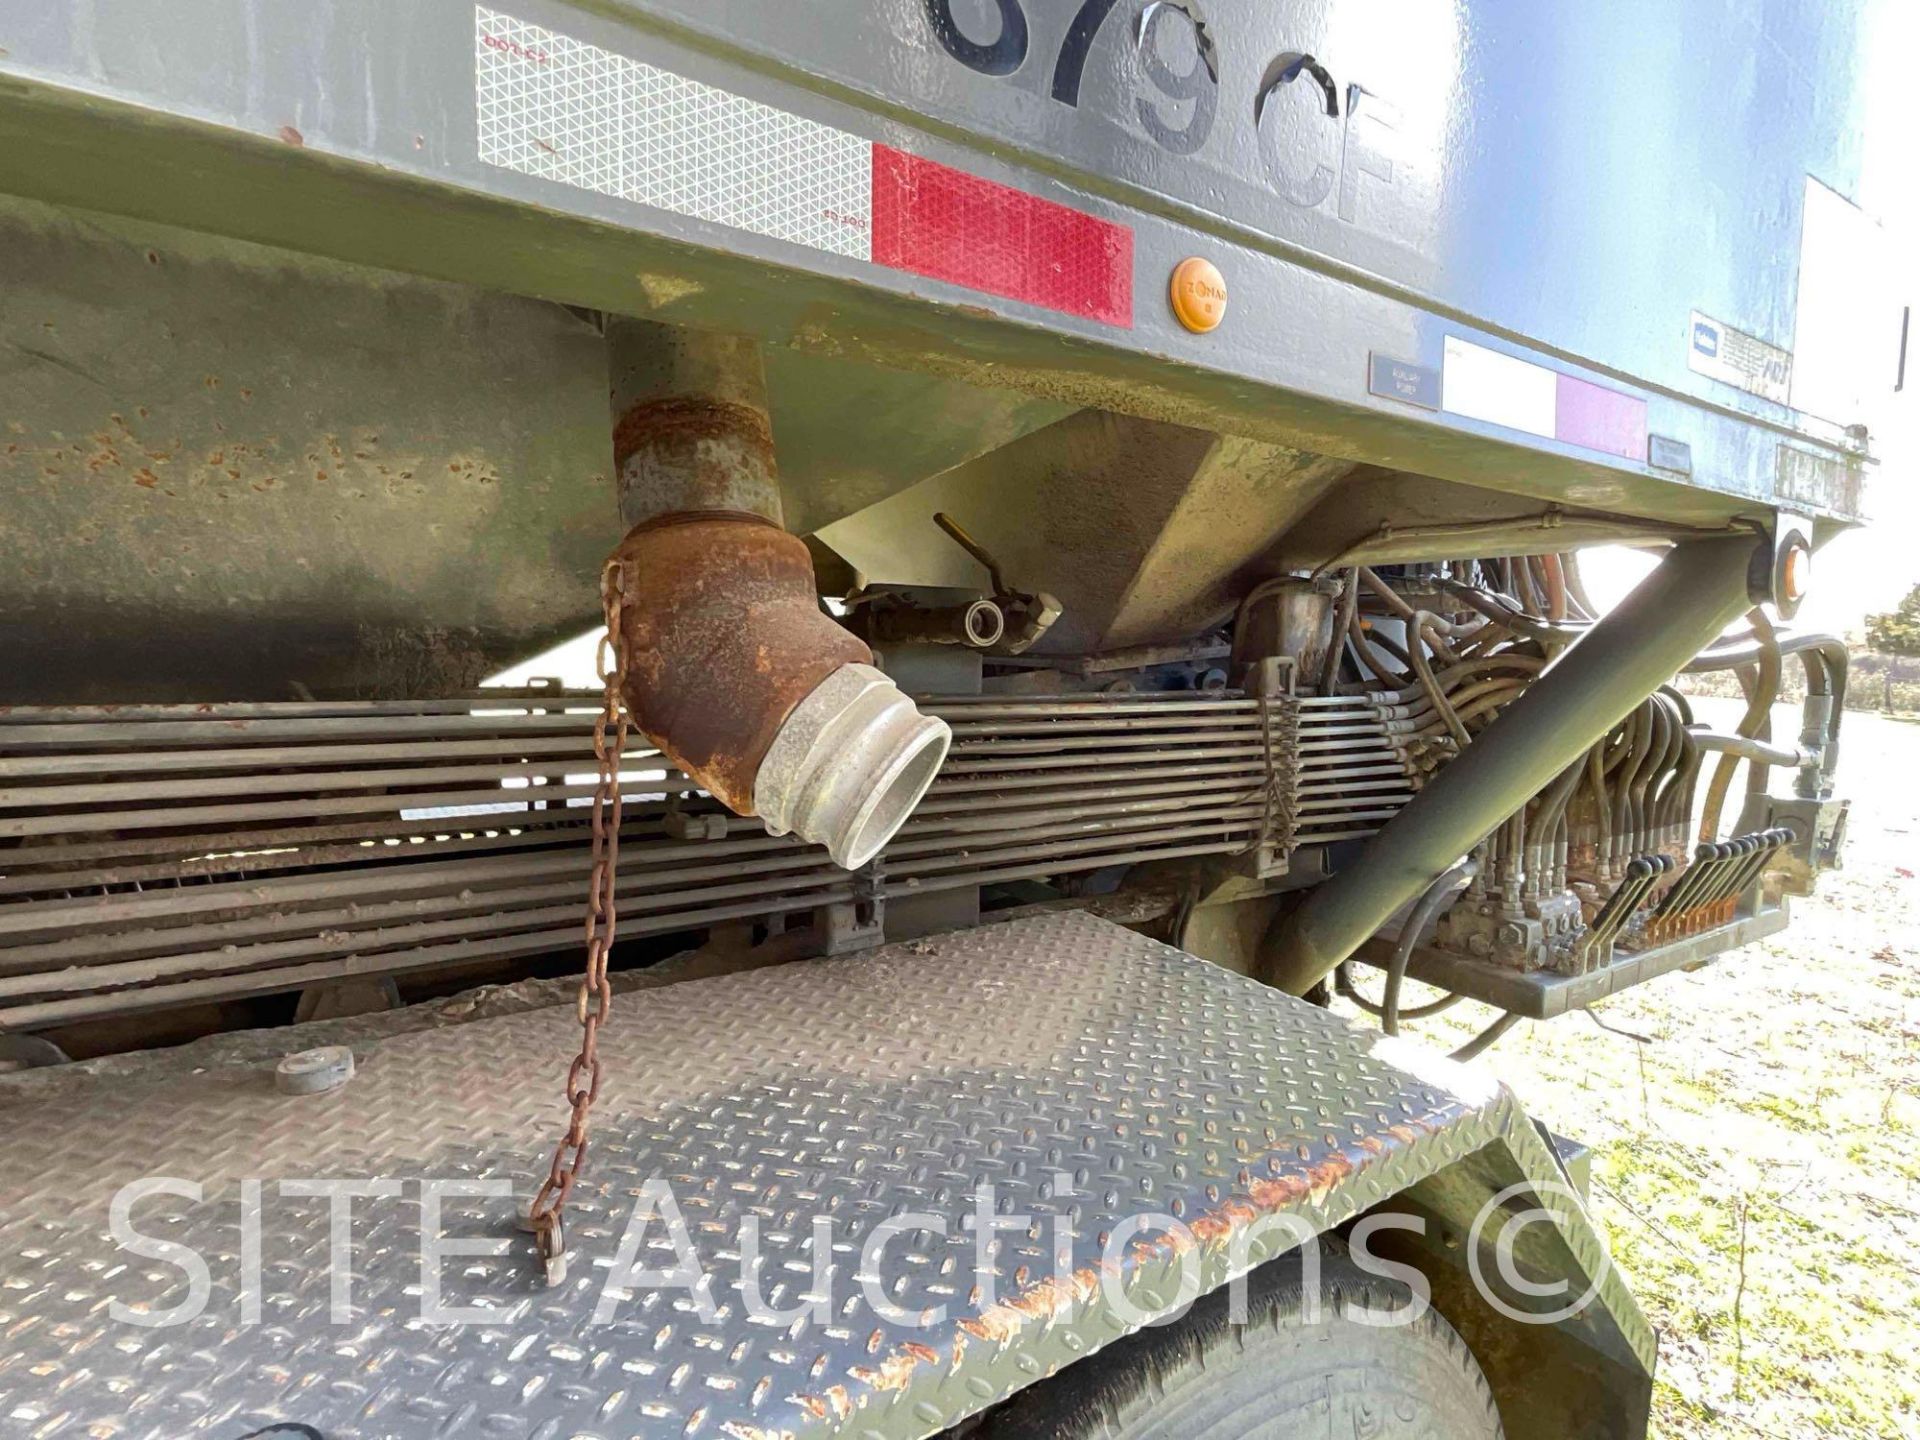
[1597, 418]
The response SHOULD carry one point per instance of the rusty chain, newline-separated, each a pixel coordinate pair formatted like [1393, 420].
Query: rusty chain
[544, 1217]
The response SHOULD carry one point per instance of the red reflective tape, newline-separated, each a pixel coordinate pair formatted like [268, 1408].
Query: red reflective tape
[930, 219]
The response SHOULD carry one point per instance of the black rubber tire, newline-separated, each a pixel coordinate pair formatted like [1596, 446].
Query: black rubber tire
[1278, 1377]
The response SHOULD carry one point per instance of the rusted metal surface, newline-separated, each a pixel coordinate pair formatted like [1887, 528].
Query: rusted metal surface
[224, 471]
[1710, 893]
[690, 425]
[1546, 994]
[706, 454]
[724, 635]
[722, 627]
[1288, 616]
[547, 1215]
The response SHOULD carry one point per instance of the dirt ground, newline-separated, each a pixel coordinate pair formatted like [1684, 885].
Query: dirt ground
[1756, 1137]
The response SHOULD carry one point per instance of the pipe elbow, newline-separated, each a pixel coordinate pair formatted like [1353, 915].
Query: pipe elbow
[763, 700]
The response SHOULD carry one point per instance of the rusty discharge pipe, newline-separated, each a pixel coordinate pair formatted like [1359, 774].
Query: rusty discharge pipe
[733, 669]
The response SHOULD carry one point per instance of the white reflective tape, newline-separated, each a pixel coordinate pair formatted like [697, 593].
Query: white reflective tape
[556, 107]
[1484, 384]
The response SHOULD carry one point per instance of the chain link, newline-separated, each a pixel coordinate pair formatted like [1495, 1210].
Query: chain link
[596, 994]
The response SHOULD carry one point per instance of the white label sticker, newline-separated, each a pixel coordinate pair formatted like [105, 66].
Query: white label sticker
[1731, 355]
[1484, 384]
[1846, 331]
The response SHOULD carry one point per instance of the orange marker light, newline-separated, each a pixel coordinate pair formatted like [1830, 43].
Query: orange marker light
[1794, 574]
[1199, 294]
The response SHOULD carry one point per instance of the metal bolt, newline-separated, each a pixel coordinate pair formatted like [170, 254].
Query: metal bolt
[311, 1072]
[683, 826]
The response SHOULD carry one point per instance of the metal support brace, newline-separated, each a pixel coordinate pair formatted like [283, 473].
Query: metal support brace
[1273, 685]
[1687, 601]
[859, 923]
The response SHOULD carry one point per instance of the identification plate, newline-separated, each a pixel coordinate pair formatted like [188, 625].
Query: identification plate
[1404, 381]
[1731, 355]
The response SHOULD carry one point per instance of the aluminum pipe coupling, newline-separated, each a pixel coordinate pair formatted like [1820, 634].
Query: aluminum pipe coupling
[849, 765]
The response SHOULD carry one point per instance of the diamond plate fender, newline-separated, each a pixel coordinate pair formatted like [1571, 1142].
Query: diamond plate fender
[1092, 1077]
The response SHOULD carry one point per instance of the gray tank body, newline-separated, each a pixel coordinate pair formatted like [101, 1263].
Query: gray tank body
[288, 379]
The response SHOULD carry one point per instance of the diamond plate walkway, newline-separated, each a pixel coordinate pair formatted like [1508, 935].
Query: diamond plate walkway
[1087, 1075]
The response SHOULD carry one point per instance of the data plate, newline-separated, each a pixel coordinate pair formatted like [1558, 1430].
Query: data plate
[1718, 350]
[1095, 1086]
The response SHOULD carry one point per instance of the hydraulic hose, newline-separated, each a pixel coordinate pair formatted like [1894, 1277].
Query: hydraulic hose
[1746, 747]
[1422, 915]
[1765, 690]
[1342, 622]
[1484, 1041]
[1683, 605]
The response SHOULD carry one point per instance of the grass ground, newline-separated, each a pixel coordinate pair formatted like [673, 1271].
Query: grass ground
[1756, 1137]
